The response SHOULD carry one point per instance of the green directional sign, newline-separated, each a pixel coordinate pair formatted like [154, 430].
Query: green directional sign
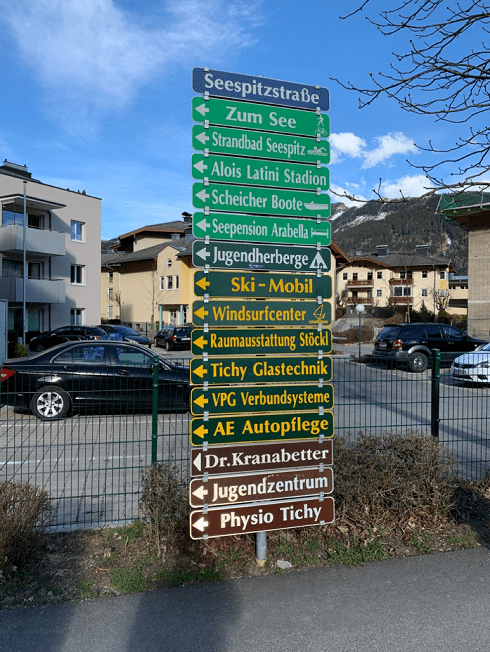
[261, 398]
[261, 427]
[276, 341]
[290, 369]
[257, 144]
[249, 228]
[261, 284]
[260, 313]
[226, 169]
[230, 113]
[258, 200]
[238, 255]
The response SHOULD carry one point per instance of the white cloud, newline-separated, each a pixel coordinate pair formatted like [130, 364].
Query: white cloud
[407, 186]
[388, 146]
[95, 53]
[345, 144]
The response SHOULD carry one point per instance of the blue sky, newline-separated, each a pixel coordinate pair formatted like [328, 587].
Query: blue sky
[96, 94]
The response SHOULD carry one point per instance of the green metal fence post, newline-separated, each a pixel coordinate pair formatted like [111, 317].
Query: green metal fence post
[434, 393]
[154, 411]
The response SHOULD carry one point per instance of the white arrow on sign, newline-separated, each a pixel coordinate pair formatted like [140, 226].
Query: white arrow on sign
[203, 224]
[197, 462]
[200, 492]
[201, 166]
[201, 524]
[203, 253]
[202, 195]
[202, 109]
[202, 138]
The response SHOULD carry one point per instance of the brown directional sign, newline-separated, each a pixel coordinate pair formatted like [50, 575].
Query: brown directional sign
[221, 460]
[251, 487]
[264, 516]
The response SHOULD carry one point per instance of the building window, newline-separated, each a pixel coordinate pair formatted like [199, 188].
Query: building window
[76, 316]
[77, 275]
[442, 275]
[111, 294]
[35, 270]
[344, 276]
[406, 274]
[169, 283]
[354, 276]
[425, 292]
[111, 277]
[425, 273]
[77, 231]
[161, 283]
[379, 293]
[379, 274]
[176, 282]
[11, 268]
[370, 276]
[402, 291]
[109, 312]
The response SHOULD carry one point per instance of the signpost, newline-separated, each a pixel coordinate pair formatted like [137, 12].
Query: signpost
[259, 89]
[226, 169]
[248, 228]
[249, 488]
[260, 398]
[234, 255]
[261, 185]
[258, 200]
[289, 369]
[269, 341]
[265, 516]
[221, 460]
[259, 144]
[229, 113]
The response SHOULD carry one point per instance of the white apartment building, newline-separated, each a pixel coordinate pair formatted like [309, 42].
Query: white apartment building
[60, 244]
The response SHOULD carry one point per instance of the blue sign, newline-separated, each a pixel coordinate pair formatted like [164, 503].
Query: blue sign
[259, 89]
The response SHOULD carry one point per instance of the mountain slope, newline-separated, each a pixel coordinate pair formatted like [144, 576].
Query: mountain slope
[402, 226]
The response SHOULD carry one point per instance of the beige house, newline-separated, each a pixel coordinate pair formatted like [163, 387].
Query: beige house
[59, 284]
[400, 280]
[146, 282]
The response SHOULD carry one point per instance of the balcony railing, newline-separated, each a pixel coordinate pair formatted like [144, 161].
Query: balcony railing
[401, 301]
[38, 241]
[37, 290]
[353, 301]
[401, 281]
[357, 283]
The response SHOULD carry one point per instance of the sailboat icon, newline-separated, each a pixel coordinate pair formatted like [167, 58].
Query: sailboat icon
[321, 317]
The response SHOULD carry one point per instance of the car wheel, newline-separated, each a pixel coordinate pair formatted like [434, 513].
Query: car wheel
[167, 346]
[418, 362]
[38, 348]
[50, 403]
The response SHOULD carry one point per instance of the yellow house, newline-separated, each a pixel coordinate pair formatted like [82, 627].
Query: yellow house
[400, 280]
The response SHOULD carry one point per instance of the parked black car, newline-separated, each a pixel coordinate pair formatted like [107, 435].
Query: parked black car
[174, 337]
[64, 334]
[129, 334]
[413, 343]
[105, 376]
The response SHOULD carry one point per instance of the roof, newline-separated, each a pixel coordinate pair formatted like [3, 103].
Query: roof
[460, 207]
[117, 259]
[177, 226]
[403, 260]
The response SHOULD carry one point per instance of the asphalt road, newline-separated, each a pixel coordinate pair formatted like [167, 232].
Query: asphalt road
[437, 603]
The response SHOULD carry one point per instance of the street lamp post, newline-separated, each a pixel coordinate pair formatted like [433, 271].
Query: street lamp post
[360, 310]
